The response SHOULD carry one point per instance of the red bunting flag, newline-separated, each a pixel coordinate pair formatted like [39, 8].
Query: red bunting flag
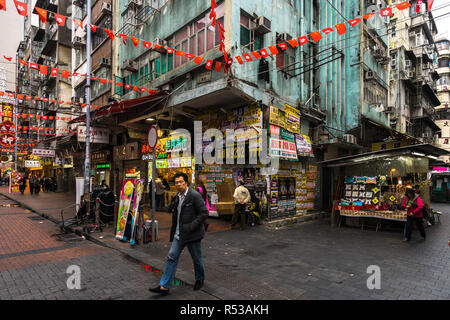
[208, 64]
[218, 66]
[273, 50]
[3, 5]
[54, 72]
[256, 54]
[42, 14]
[157, 46]
[135, 41]
[327, 30]
[21, 8]
[65, 73]
[239, 59]
[93, 27]
[418, 5]
[198, 60]
[147, 44]
[60, 19]
[316, 36]
[127, 86]
[78, 22]
[283, 46]
[263, 52]
[43, 69]
[189, 55]
[354, 22]
[368, 16]
[124, 37]
[430, 4]
[227, 65]
[170, 50]
[142, 90]
[103, 81]
[179, 53]
[341, 29]
[119, 84]
[247, 57]
[303, 40]
[386, 12]
[110, 33]
[7, 58]
[293, 43]
[403, 5]
[23, 62]
[34, 66]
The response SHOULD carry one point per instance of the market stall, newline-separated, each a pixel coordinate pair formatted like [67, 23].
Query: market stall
[374, 183]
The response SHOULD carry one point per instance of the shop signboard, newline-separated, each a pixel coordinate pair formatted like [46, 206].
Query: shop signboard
[279, 148]
[97, 135]
[173, 163]
[292, 119]
[44, 153]
[286, 135]
[303, 144]
[161, 164]
[99, 156]
[277, 117]
[103, 166]
[185, 162]
[389, 145]
[32, 163]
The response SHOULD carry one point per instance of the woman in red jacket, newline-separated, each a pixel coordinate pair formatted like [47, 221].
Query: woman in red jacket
[414, 206]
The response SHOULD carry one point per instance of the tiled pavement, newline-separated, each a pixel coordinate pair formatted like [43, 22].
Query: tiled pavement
[306, 261]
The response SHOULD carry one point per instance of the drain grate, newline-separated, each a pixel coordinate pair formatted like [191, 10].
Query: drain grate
[36, 218]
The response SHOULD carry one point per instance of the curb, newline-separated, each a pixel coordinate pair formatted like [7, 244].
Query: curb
[294, 220]
[88, 237]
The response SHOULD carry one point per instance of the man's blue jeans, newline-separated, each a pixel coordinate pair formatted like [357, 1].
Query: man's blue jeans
[172, 261]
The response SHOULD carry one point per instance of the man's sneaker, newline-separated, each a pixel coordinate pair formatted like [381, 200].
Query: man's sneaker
[429, 223]
[405, 240]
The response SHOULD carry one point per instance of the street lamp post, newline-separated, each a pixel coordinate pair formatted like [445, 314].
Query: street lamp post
[87, 162]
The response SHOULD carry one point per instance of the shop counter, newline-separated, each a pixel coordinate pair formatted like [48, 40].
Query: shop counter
[372, 212]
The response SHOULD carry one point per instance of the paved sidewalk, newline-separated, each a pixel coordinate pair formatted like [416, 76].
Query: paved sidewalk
[308, 261]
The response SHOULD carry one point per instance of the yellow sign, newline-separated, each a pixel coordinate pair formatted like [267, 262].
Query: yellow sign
[375, 200]
[389, 145]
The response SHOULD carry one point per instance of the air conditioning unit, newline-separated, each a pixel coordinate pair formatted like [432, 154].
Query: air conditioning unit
[369, 75]
[134, 3]
[284, 37]
[349, 138]
[106, 7]
[104, 62]
[262, 25]
[408, 63]
[130, 65]
[78, 42]
[75, 99]
[393, 63]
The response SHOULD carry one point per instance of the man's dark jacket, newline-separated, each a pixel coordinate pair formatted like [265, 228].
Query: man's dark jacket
[192, 217]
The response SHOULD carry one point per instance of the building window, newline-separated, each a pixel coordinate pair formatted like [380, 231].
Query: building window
[443, 63]
[249, 39]
[99, 88]
[374, 93]
[196, 38]
[98, 37]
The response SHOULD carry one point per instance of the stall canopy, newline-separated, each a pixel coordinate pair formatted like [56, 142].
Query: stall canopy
[420, 150]
[123, 106]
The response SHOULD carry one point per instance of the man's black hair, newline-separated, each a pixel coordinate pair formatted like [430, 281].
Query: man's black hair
[181, 174]
[410, 192]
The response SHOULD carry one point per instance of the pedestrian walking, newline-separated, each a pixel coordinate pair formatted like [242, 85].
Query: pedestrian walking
[188, 216]
[32, 184]
[159, 194]
[241, 199]
[414, 206]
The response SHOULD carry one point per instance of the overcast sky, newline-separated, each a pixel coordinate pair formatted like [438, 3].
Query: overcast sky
[443, 24]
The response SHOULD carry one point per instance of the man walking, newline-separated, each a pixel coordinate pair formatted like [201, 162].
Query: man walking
[241, 199]
[188, 216]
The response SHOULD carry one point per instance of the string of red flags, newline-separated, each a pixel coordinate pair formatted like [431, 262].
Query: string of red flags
[316, 36]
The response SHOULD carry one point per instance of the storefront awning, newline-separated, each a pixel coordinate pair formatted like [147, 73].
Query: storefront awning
[420, 150]
[122, 106]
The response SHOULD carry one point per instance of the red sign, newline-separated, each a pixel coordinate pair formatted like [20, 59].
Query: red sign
[7, 139]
